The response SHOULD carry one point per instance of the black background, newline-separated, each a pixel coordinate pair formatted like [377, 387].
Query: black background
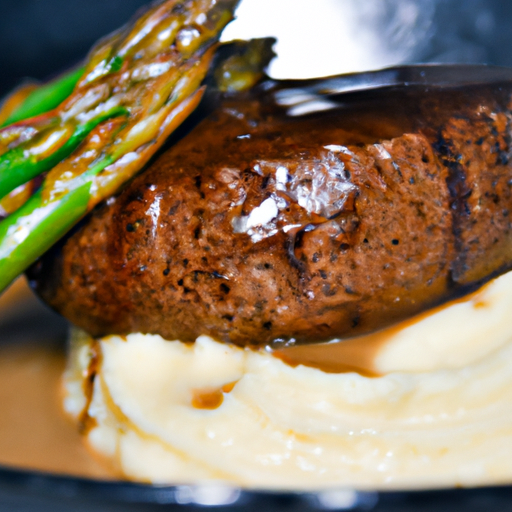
[40, 38]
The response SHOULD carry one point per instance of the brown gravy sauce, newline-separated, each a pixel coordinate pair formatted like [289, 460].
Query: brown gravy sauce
[34, 432]
[359, 354]
[211, 398]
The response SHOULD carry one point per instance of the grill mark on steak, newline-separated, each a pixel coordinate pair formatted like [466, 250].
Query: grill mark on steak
[291, 243]
[459, 193]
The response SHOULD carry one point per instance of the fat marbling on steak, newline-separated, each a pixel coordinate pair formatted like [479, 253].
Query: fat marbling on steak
[257, 226]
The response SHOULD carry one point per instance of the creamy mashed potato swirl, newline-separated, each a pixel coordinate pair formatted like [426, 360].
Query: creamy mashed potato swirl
[440, 413]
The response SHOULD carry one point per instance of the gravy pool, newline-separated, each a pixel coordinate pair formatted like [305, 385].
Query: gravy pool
[34, 432]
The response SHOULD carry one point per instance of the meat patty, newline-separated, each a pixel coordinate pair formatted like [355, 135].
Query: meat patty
[258, 227]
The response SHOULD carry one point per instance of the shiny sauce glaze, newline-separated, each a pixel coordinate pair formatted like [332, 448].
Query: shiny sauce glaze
[259, 225]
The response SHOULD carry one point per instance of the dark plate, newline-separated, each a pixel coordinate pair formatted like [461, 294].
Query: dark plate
[27, 491]
[40, 39]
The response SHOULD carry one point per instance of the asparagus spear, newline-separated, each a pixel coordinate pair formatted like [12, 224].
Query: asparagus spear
[152, 70]
[40, 222]
[12, 102]
[45, 98]
[120, 68]
[237, 66]
[27, 161]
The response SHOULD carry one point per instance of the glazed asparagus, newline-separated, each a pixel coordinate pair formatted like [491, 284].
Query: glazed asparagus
[136, 88]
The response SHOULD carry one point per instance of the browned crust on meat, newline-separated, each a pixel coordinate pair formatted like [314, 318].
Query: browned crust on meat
[424, 215]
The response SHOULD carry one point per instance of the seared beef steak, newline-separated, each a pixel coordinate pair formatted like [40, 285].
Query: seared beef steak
[257, 226]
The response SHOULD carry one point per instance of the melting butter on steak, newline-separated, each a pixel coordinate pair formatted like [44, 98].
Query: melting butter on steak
[257, 226]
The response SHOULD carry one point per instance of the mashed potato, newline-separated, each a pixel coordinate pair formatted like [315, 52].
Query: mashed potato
[439, 414]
